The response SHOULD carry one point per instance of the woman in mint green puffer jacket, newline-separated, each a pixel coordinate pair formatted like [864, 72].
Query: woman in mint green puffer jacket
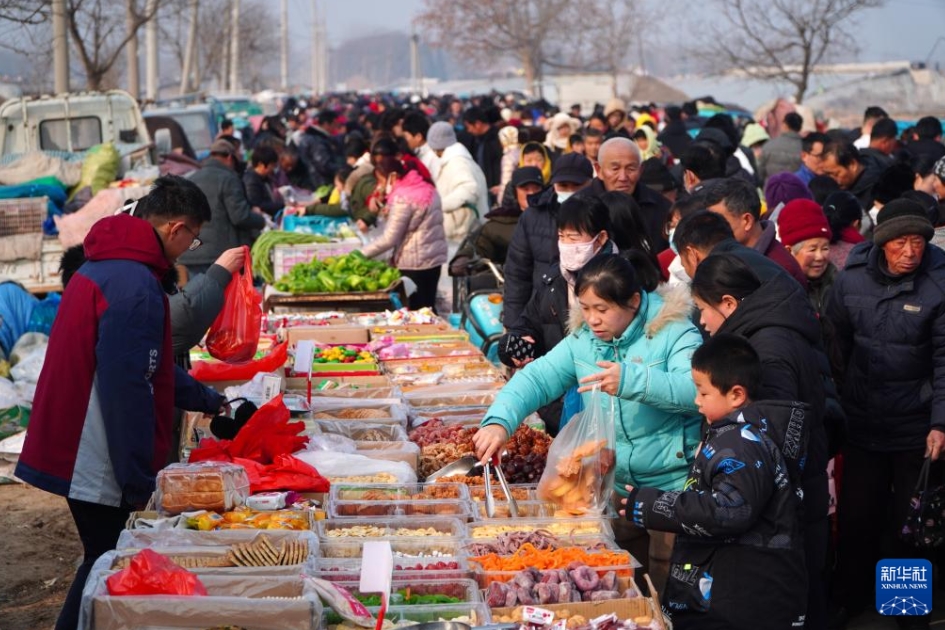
[639, 345]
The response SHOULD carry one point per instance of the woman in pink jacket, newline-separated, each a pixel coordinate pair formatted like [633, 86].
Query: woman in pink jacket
[414, 223]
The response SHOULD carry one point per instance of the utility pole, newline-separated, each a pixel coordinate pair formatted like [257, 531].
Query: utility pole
[134, 81]
[284, 35]
[190, 48]
[322, 57]
[151, 52]
[60, 47]
[316, 61]
[235, 47]
[416, 73]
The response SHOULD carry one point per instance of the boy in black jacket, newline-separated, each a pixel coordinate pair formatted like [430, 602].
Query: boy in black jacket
[738, 560]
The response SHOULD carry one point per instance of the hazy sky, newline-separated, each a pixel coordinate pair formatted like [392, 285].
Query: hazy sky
[903, 29]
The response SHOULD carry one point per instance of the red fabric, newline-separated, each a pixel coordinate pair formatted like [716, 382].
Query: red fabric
[850, 234]
[665, 258]
[800, 220]
[779, 254]
[413, 164]
[264, 447]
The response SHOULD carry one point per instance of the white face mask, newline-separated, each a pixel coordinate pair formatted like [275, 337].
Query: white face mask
[573, 256]
[563, 196]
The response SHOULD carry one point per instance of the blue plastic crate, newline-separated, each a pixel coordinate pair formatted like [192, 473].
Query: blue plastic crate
[315, 224]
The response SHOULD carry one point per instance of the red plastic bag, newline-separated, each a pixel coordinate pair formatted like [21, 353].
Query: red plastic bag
[234, 336]
[209, 372]
[290, 473]
[266, 435]
[150, 573]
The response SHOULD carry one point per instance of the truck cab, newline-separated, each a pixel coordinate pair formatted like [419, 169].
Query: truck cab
[69, 124]
[199, 120]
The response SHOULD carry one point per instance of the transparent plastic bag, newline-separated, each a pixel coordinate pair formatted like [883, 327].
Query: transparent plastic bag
[579, 475]
[338, 466]
[331, 443]
[234, 336]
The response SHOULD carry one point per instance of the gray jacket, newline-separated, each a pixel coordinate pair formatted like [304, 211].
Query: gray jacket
[196, 306]
[232, 220]
[781, 155]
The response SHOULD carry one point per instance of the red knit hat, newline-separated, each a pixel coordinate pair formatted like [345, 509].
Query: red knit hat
[800, 220]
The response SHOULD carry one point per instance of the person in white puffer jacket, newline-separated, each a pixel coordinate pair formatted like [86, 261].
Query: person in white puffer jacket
[460, 182]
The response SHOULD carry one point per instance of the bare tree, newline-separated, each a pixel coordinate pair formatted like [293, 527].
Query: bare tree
[783, 41]
[487, 31]
[100, 33]
[258, 40]
[24, 11]
[617, 27]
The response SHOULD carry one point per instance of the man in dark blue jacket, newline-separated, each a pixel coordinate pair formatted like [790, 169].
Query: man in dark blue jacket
[102, 417]
[886, 330]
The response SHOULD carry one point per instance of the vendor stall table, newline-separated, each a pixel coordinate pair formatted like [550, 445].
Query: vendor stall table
[393, 297]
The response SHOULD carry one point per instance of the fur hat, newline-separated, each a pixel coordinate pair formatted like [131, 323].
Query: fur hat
[800, 220]
[901, 217]
[441, 135]
[615, 105]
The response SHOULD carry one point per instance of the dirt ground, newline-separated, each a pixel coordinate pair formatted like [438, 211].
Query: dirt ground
[40, 552]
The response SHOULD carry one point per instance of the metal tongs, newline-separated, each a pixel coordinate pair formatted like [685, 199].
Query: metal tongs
[465, 465]
[490, 500]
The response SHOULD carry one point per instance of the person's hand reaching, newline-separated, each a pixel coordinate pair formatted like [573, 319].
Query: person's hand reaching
[231, 259]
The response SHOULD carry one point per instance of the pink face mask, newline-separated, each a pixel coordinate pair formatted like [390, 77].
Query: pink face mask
[573, 256]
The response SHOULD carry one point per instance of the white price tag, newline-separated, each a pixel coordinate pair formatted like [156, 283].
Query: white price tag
[304, 356]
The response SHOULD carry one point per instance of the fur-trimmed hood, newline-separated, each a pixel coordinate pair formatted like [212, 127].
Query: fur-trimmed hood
[676, 306]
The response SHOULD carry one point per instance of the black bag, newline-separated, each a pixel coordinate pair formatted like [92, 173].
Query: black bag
[925, 521]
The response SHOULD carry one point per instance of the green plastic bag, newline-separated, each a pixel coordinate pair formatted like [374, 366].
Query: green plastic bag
[99, 168]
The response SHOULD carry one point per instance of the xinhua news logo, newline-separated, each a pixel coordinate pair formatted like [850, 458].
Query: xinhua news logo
[904, 587]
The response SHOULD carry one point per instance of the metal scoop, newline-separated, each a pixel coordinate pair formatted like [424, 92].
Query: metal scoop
[460, 468]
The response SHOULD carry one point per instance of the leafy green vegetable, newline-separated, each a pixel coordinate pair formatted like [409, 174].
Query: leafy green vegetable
[351, 272]
[405, 598]
[262, 249]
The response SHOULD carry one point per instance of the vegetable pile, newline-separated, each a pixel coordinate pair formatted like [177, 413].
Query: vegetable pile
[262, 249]
[341, 274]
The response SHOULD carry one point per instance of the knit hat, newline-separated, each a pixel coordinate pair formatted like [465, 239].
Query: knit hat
[800, 220]
[785, 187]
[573, 168]
[753, 134]
[899, 218]
[441, 135]
[615, 105]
